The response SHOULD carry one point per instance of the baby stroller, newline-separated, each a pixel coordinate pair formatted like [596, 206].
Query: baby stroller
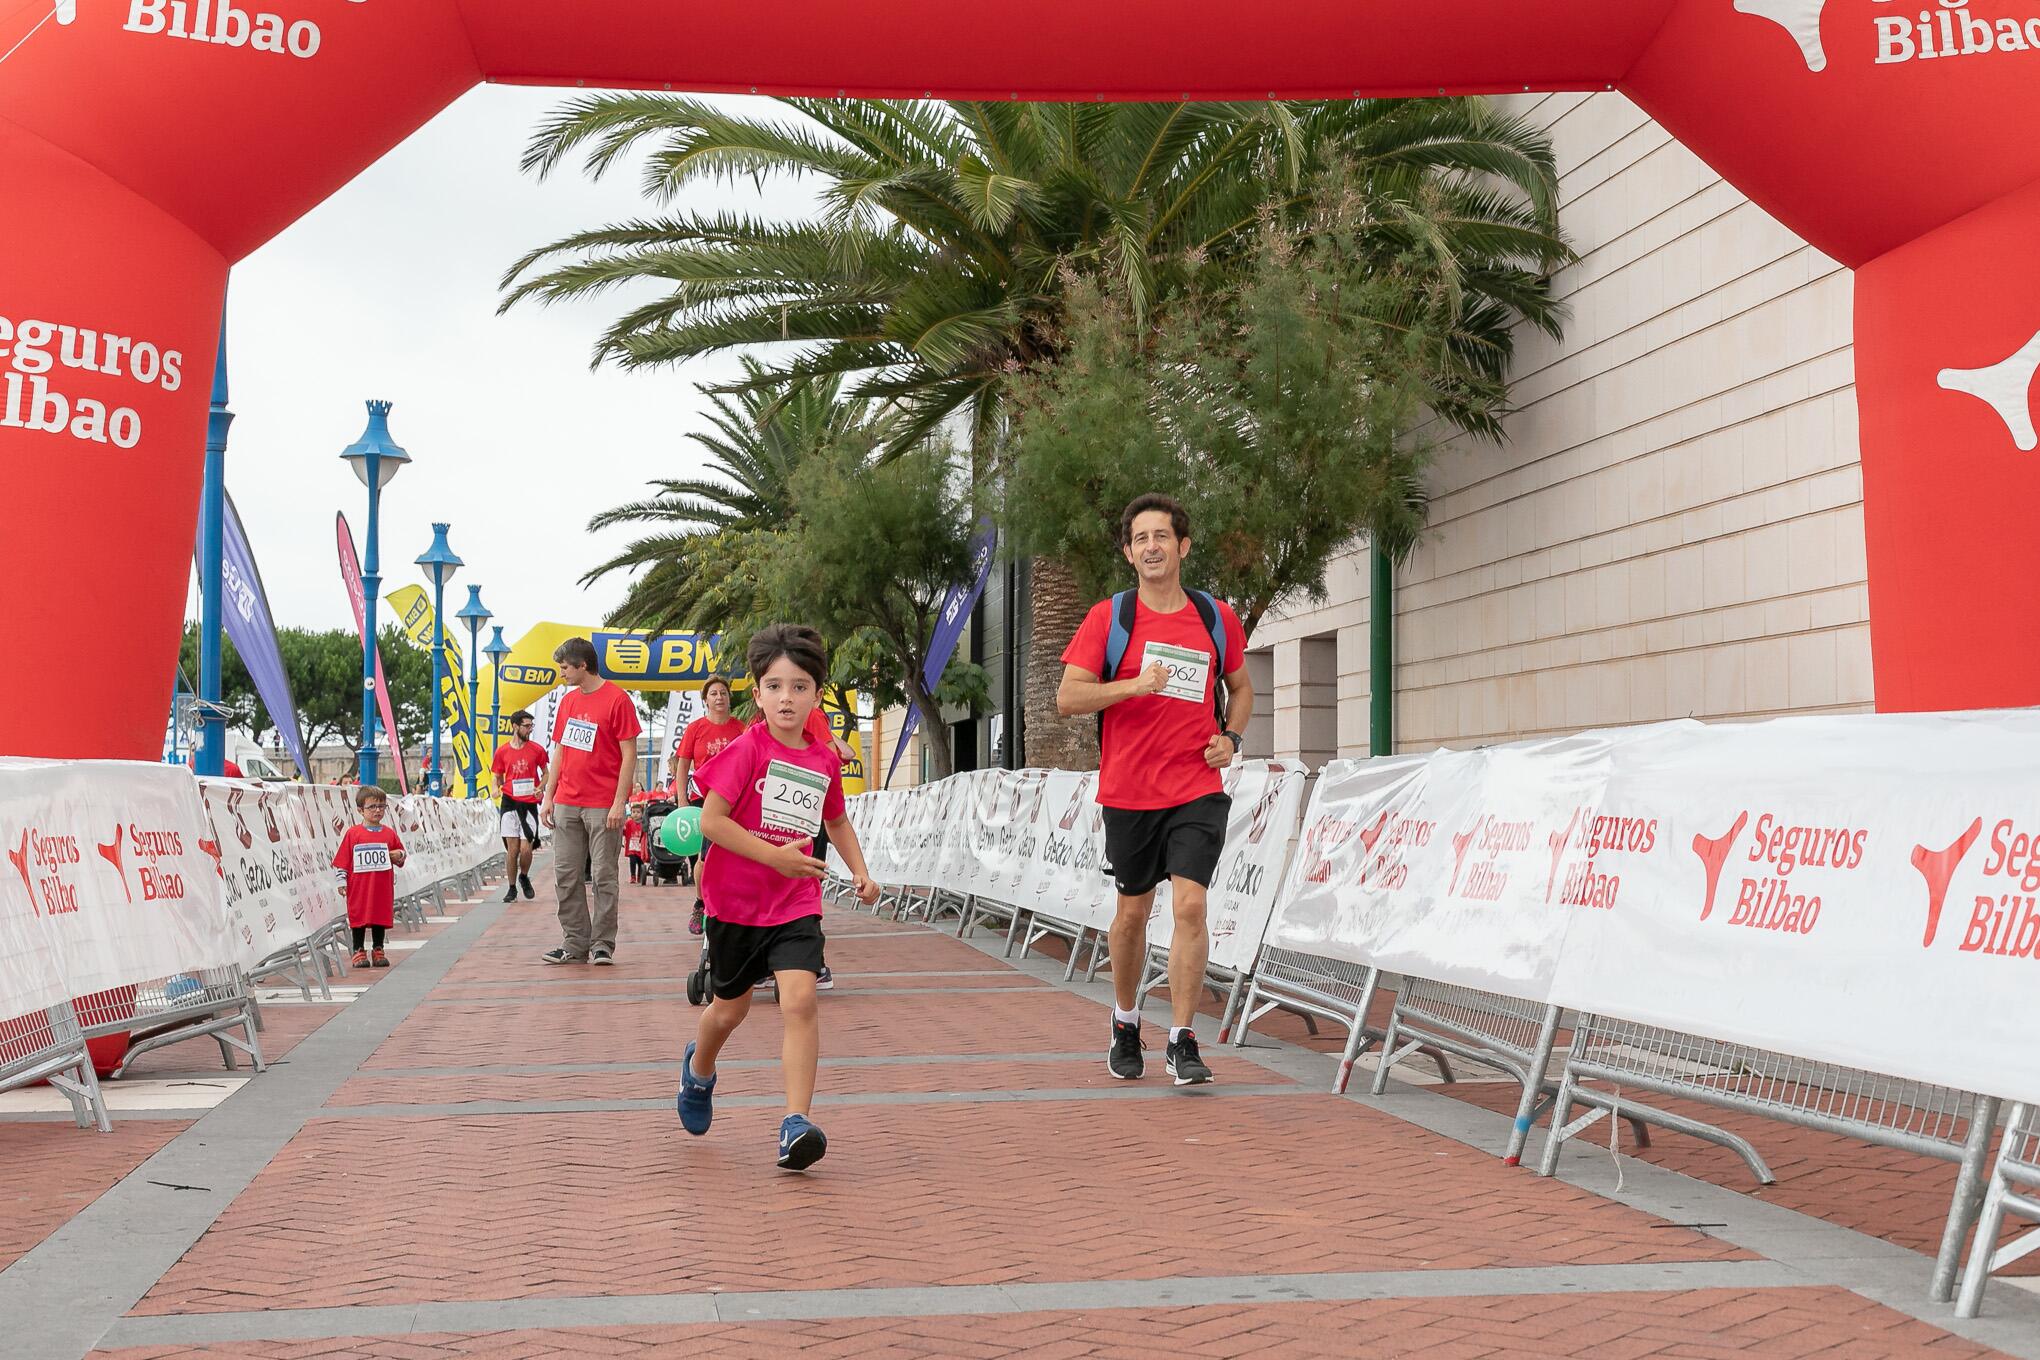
[663, 865]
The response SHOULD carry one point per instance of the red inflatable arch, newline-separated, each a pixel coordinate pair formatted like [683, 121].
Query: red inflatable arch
[148, 144]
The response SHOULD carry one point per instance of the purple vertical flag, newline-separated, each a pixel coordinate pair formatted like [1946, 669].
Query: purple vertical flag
[253, 632]
[949, 625]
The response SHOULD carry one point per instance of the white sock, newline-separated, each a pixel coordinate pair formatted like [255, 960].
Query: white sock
[1125, 1017]
[1178, 1032]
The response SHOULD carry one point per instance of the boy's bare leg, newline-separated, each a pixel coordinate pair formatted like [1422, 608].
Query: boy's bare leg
[801, 1049]
[718, 1023]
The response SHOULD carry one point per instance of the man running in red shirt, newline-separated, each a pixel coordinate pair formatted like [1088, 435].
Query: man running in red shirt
[1150, 660]
[587, 788]
[520, 769]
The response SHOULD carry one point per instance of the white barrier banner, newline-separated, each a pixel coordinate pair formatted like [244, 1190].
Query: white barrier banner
[1450, 866]
[1065, 878]
[276, 846]
[1856, 890]
[109, 880]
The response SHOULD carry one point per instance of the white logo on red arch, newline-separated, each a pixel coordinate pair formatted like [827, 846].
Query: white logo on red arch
[2006, 387]
[1800, 18]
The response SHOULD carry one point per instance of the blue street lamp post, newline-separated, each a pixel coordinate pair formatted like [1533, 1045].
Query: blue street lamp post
[496, 651]
[211, 755]
[440, 564]
[375, 459]
[475, 615]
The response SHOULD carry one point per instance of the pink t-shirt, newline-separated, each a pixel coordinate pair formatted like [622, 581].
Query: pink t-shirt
[778, 794]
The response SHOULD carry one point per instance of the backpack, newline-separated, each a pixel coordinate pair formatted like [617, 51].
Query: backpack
[1121, 637]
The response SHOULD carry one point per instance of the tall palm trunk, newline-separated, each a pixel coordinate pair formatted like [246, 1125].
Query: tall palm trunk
[1056, 611]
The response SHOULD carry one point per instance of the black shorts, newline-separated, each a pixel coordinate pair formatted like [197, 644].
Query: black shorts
[1143, 848]
[741, 957]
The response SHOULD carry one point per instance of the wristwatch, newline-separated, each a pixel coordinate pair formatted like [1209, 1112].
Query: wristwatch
[1237, 739]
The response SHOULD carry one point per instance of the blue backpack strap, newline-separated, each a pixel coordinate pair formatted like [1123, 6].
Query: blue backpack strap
[1120, 637]
[1207, 610]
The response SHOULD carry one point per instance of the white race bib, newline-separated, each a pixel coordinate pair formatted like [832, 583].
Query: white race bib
[1188, 670]
[579, 734]
[524, 788]
[793, 799]
[371, 859]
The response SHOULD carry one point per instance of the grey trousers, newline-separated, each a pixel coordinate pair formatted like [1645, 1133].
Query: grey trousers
[581, 834]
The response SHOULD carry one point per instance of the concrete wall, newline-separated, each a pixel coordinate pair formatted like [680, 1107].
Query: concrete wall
[1674, 527]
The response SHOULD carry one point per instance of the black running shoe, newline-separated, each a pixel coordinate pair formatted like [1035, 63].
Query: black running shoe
[510, 893]
[1183, 1062]
[1124, 1059]
[524, 882]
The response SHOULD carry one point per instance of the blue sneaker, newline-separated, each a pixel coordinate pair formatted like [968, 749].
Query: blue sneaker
[697, 1097]
[801, 1144]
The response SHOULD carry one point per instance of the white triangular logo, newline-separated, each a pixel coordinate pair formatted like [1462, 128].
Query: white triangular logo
[67, 10]
[2006, 388]
[1800, 18]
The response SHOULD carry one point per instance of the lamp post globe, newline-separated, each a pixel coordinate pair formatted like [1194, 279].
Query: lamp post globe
[375, 458]
[476, 616]
[439, 563]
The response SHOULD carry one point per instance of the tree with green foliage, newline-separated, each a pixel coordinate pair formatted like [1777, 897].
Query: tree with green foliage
[324, 670]
[938, 269]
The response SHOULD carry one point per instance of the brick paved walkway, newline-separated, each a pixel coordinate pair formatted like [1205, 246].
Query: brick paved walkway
[479, 1156]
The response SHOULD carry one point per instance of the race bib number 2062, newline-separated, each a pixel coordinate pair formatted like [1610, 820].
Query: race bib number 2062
[1189, 671]
[792, 797]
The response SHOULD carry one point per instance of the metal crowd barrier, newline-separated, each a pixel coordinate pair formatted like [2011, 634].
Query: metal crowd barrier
[1224, 983]
[1316, 989]
[48, 1046]
[1512, 1036]
[205, 1002]
[1910, 1116]
[2014, 1186]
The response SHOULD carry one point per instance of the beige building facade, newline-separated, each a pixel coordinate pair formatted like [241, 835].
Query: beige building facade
[1674, 527]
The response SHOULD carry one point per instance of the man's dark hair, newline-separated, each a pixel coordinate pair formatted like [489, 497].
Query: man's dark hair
[1179, 518]
[370, 793]
[521, 715]
[796, 642]
[715, 680]
[577, 650]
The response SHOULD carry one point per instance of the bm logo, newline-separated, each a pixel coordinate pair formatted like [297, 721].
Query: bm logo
[530, 675]
[668, 656]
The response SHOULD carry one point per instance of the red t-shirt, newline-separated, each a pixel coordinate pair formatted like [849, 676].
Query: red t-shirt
[704, 739]
[588, 736]
[364, 856]
[634, 838]
[514, 765]
[1152, 750]
[775, 792]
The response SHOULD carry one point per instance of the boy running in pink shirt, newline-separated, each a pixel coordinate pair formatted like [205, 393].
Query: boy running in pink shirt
[767, 796]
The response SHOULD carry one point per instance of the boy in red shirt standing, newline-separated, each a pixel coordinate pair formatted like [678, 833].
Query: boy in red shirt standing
[369, 856]
[587, 788]
[767, 796]
[634, 843]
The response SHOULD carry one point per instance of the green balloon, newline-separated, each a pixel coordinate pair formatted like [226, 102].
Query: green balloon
[680, 831]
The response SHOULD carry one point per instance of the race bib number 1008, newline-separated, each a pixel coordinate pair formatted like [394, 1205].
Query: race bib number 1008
[578, 734]
[793, 799]
[371, 859]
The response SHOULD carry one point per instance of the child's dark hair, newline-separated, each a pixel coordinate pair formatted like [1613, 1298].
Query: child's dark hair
[370, 793]
[797, 642]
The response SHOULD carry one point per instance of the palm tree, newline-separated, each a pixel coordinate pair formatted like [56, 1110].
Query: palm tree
[936, 267]
[759, 437]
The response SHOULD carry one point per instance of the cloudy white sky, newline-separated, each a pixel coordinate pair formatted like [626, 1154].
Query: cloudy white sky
[389, 290]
